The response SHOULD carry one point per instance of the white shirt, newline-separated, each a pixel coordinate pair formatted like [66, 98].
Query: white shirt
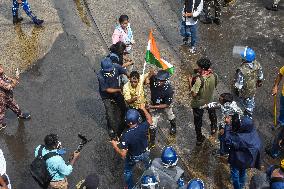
[190, 21]
[2, 163]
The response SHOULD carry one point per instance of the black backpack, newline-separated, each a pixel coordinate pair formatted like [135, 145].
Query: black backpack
[38, 168]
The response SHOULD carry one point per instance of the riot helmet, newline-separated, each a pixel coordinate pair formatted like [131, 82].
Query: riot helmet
[169, 157]
[162, 75]
[149, 182]
[132, 117]
[246, 53]
[107, 65]
[195, 184]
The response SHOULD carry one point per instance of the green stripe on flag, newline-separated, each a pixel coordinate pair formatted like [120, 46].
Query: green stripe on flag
[151, 59]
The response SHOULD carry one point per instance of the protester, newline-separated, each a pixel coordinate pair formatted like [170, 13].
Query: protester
[209, 4]
[134, 143]
[91, 182]
[228, 108]
[111, 95]
[274, 5]
[26, 8]
[123, 33]
[202, 86]
[7, 84]
[190, 13]
[249, 76]
[161, 98]
[4, 178]
[244, 146]
[56, 165]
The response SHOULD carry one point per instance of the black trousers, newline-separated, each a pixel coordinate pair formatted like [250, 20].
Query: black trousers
[198, 116]
[115, 114]
[209, 4]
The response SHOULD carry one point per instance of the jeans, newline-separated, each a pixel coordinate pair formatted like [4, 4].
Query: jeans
[189, 31]
[198, 116]
[223, 147]
[238, 177]
[281, 111]
[130, 162]
[26, 8]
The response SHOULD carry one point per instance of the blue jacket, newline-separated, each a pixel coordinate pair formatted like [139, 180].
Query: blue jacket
[245, 146]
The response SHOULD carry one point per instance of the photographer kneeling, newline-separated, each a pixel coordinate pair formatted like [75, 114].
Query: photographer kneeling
[244, 146]
[56, 165]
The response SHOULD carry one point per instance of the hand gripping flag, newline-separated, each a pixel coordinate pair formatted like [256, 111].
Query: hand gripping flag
[153, 56]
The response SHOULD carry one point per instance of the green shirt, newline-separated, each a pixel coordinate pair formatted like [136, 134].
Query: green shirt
[204, 94]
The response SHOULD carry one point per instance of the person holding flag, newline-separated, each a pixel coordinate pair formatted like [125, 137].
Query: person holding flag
[161, 89]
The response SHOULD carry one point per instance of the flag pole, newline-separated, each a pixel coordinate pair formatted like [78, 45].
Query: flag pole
[142, 78]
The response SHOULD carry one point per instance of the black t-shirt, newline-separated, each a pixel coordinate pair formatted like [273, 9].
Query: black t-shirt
[110, 82]
[161, 94]
[135, 139]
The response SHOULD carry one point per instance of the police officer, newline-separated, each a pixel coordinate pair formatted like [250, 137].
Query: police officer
[161, 97]
[166, 170]
[208, 4]
[134, 143]
[26, 8]
[7, 84]
[111, 95]
[195, 184]
[249, 76]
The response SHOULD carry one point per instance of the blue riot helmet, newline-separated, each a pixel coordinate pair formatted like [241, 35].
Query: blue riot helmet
[245, 52]
[195, 184]
[107, 65]
[162, 75]
[149, 182]
[132, 117]
[169, 157]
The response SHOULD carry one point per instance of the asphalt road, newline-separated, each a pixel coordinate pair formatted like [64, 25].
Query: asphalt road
[61, 90]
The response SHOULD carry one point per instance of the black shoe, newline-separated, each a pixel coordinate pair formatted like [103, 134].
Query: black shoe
[3, 126]
[24, 116]
[17, 19]
[173, 128]
[199, 142]
[37, 22]
[185, 40]
[217, 21]
[274, 7]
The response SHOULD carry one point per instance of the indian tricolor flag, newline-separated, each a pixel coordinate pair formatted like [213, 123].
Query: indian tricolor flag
[153, 56]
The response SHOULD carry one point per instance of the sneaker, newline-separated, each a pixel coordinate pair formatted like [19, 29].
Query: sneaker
[199, 142]
[192, 50]
[3, 126]
[24, 116]
[274, 7]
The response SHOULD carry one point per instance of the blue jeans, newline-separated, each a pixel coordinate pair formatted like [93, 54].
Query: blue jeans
[223, 147]
[26, 8]
[130, 161]
[238, 177]
[281, 111]
[189, 31]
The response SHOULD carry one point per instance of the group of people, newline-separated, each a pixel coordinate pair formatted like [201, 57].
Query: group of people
[132, 119]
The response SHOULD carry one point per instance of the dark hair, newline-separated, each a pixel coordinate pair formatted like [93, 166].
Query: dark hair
[204, 63]
[50, 141]
[134, 74]
[118, 48]
[122, 18]
[227, 97]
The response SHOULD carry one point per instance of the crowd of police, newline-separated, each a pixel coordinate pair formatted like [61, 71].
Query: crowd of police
[133, 117]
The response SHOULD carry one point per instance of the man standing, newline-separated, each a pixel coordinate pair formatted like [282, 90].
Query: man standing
[190, 13]
[26, 8]
[4, 179]
[162, 98]
[249, 76]
[7, 84]
[208, 4]
[134, 143]
[111, 95]
[56, 165]
[202, 87]
[244, 146]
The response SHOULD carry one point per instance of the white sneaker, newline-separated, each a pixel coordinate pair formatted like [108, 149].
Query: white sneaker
[192, 50]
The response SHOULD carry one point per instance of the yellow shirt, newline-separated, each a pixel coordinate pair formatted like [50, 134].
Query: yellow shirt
[129, 92]
[281, 71]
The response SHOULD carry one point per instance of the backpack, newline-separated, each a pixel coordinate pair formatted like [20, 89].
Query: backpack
[202, 80]
[38, 168]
